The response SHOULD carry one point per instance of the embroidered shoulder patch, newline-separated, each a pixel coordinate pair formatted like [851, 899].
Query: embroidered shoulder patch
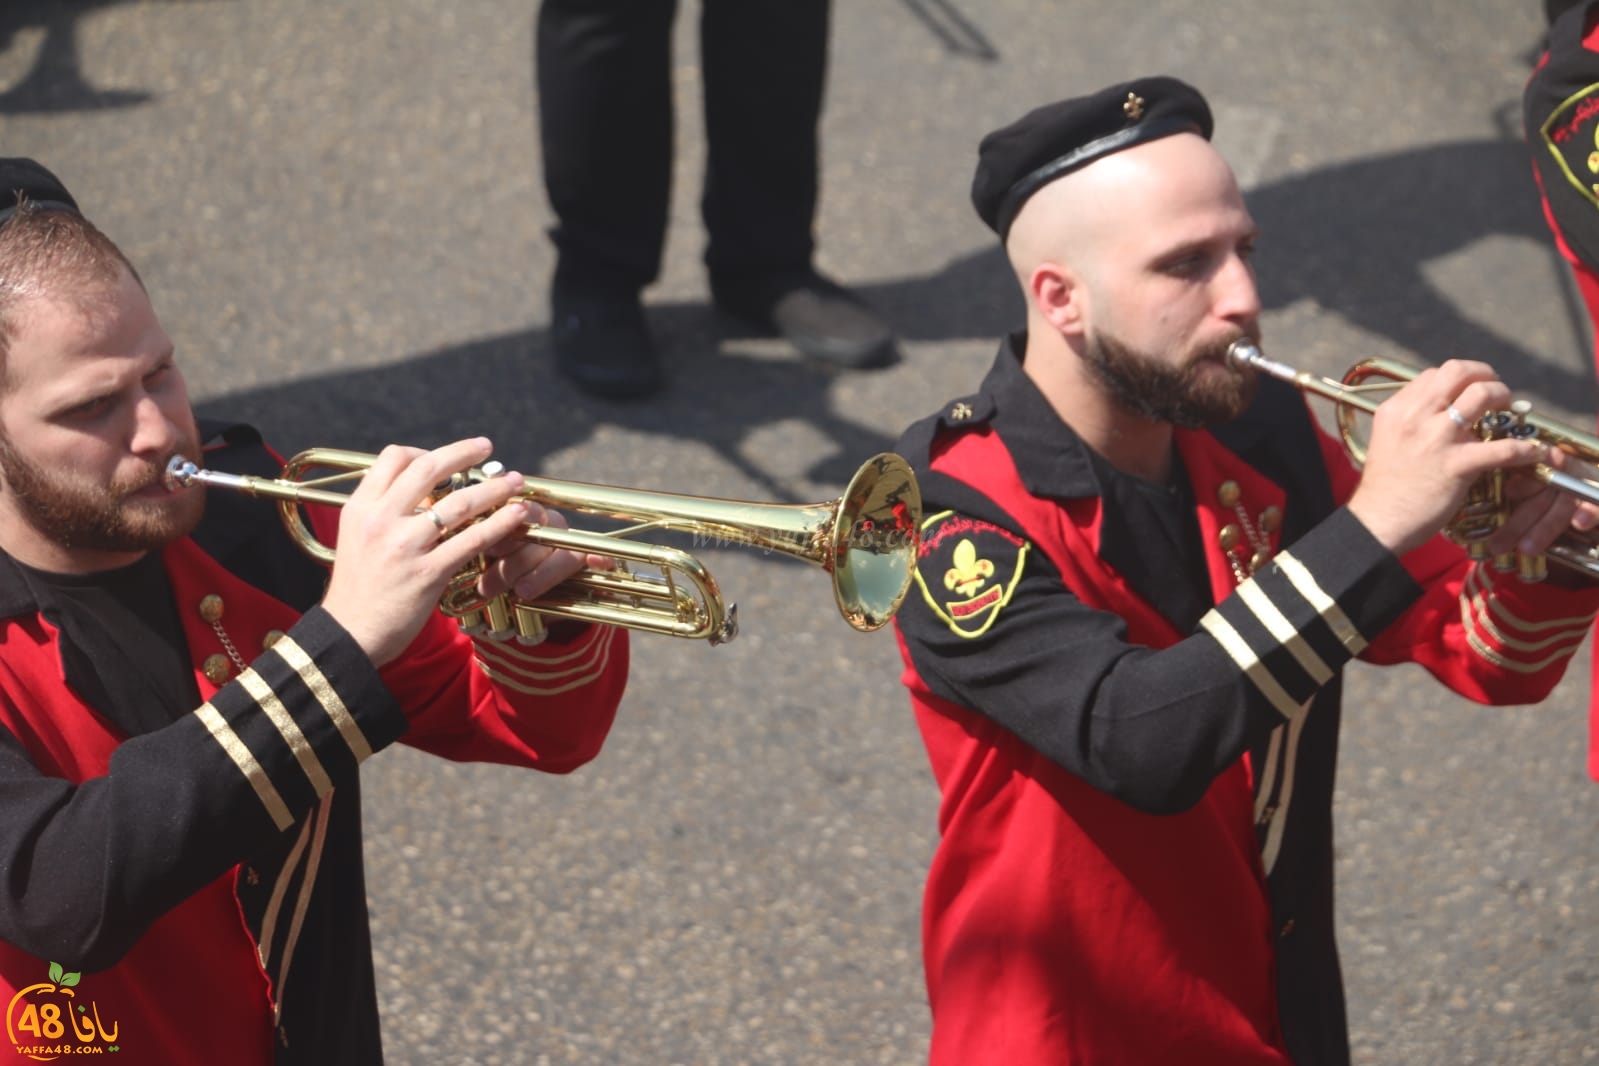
[968, 570]
[1571, 135]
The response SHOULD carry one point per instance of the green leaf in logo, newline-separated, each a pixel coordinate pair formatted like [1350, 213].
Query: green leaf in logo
[55, 971]
[70, 979]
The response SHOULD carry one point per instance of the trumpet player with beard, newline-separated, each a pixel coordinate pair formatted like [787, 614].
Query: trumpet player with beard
[1142, 572]
[186, 697]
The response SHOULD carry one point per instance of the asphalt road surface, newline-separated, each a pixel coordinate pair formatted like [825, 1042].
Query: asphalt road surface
[338, 208]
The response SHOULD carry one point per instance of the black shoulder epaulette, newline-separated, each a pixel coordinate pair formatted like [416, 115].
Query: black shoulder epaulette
[967, 411]
[916, 444]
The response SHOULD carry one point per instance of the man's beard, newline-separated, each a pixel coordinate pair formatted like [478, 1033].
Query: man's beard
[76, 514]
[1190, 394]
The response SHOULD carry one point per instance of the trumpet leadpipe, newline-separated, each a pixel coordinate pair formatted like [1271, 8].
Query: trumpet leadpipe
[181, 473]
[1246, 353]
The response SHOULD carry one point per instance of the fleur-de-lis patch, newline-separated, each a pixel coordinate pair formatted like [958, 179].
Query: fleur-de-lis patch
[967, 570]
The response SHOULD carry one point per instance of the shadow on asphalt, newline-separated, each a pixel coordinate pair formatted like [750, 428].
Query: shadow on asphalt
[56, 81]
[506, 387]
[1354, 239]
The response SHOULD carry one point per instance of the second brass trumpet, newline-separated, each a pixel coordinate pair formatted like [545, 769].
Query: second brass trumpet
[1369, 382]
[866, 540]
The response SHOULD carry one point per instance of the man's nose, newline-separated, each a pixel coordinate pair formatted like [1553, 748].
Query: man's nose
[154, 433]
[1237, 298]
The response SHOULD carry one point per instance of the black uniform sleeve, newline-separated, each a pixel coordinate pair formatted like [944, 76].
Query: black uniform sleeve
[88, 868]
[1150, 727]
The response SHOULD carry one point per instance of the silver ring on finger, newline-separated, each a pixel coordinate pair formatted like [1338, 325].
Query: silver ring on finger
[1457, 418]
[435, 518]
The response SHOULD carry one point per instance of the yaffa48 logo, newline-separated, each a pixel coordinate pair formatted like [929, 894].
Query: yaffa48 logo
[46, 1020]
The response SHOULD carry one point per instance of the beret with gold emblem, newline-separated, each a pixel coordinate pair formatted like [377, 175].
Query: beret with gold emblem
[1049, 142]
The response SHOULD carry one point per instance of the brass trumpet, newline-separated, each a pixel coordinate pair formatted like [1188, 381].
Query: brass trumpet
[1369, 382]
[866, 539]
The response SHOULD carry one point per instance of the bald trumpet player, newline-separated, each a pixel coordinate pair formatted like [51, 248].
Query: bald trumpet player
[1143, 571]
[185, 696]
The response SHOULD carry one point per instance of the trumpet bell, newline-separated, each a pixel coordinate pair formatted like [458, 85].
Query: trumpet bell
[876, 522]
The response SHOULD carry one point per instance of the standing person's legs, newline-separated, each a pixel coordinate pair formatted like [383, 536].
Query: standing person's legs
[605, 115]
[765, 64]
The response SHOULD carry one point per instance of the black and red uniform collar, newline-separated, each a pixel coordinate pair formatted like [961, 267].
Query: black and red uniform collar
[1051, 458]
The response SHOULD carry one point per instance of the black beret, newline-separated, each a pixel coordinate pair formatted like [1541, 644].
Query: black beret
[26, 180]
[1560, 107]
[1051, 141]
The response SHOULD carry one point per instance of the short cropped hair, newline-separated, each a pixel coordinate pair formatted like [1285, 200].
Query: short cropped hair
[46, 251]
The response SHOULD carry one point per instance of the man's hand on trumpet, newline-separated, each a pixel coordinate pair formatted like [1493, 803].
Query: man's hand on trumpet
[1540, 515]
[528, 569]
[1424, 455]
[398, 548]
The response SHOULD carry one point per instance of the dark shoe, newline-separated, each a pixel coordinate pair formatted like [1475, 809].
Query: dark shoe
[602, 342]
[819, 317]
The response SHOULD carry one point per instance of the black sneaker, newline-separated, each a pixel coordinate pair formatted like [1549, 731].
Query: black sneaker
[819, 317]
[602, 342]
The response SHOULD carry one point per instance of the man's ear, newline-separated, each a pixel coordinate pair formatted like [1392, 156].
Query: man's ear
[1060, 297]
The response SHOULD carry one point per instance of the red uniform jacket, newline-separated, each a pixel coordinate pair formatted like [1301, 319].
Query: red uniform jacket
[204, 879]
[1135, 737]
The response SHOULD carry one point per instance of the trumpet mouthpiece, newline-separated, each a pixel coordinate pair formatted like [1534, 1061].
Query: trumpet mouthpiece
[1243, 352]
[179, 473]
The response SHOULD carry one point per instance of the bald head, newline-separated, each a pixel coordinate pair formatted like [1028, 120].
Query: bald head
[1168, 192]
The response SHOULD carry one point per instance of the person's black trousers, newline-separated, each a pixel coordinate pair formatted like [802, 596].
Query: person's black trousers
[605, 109]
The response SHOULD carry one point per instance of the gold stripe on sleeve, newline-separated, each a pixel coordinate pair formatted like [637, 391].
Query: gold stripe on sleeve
[1481, 616]
[1239, 651]
[539, 690]
[252, 770]
[1481, 583]
[1277, 624]
[1305, 583]
[536, 656]
[317, 682]
[288, 729]
[534, 683]
[1504, 662]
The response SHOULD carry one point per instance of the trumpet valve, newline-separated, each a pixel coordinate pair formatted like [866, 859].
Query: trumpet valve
[497, 617]
[472, 624]
[529, 624]
[1475, 523]
[1531, 569]
[1496, 425]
